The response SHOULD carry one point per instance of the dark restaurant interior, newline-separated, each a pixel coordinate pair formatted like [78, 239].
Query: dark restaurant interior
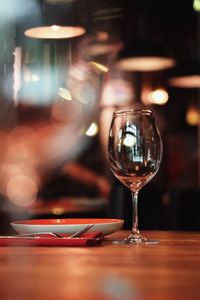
[58, 91]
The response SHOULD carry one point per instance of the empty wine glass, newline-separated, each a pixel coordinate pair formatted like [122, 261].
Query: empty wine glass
[134, 154]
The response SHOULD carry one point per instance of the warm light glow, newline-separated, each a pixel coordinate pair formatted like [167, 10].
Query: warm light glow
[192, 81]
[145, 63]
[55, 27]
[159, 97]
[54, 32]
[22, 190]
[99, 67]
[196, 5]
[57, 211]
[102, 36]
[193, 116]
[92, 130]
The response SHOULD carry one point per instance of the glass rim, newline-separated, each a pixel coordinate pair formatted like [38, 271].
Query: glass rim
[133, 111]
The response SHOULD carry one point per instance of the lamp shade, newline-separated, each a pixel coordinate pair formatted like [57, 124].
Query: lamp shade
[185, 75]
[54, 32]
[144, 56]
[59, 20]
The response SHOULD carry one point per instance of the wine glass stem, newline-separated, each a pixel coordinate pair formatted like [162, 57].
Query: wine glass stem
[135, 230]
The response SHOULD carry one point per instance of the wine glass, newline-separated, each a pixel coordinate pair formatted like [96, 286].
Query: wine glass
[134, 154]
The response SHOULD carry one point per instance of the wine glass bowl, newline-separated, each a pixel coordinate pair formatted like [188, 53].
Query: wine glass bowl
[134, 154]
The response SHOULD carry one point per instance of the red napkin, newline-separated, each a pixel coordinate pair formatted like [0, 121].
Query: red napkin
[88, 239]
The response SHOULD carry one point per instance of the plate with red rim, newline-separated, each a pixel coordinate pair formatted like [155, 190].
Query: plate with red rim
[67, 225]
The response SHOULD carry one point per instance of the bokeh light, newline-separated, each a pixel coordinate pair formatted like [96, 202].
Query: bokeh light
[22, 190]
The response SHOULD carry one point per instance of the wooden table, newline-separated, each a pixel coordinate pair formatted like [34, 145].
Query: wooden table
[169, 270]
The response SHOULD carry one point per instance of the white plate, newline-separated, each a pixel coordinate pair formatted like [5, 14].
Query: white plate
[69, 226]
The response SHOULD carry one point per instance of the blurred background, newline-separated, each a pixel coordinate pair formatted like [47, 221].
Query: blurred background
[65, 66]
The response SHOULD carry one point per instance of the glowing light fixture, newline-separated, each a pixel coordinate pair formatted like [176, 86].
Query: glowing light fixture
[144, 56]
[159, 96]
[185, 75]
[54, 32]
[153, 63]
[58, 20]
[193, 116]
[192, 81]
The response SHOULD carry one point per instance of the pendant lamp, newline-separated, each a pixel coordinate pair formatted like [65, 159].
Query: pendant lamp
[185, 75]
[144, 55]
[59, 20]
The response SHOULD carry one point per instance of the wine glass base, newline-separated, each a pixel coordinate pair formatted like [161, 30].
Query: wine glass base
[136, 239]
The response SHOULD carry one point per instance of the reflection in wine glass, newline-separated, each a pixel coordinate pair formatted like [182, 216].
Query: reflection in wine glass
[134, 153]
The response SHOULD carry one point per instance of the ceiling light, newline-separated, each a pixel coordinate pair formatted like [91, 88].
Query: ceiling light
[54, 32]
[143, 63]
[158, 96]
[144, 56]
[185, 75]
[59, 20]
[192, 81]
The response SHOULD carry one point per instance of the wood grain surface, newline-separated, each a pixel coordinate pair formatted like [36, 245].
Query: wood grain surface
[169, 270]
